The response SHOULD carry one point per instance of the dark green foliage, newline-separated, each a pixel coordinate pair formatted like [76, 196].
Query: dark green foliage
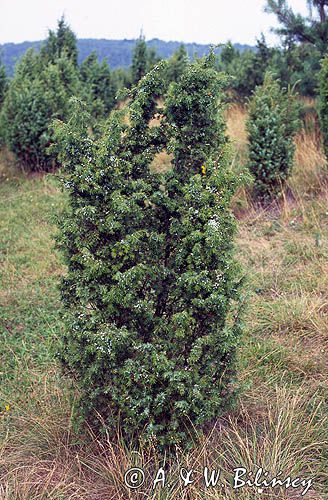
[228, 54]
[37, 94]
[294, 63]
[323, 82]
[29, 66]
[60, 42]
[177, 64]
[3, 82]
[139, 60]
[201, 290]
[152, 289]
[152, 58]
[143, 60]
[272, 123]
[121, 78]
[305, 41]
[312, 29]
[3, 89]
[247, 69]
[245, 75]
[99, 85]
[297, 64]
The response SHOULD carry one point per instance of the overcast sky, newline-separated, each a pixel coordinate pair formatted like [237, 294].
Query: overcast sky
[202, 21]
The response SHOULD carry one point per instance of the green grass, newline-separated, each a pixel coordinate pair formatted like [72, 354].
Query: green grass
[30, 268]
[281, 420]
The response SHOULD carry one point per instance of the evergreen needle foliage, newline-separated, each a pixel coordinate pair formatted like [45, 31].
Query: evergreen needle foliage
[272, 123]
[3, 82]
[152, 290]
[139, 60]
[99, 85]
[38, 94]
[177, 64]
[323, 81]
[3, 89]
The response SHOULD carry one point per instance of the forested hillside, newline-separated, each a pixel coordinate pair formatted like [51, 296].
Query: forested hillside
[117, 52]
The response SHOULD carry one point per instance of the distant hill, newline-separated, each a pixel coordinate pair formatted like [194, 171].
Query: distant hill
[117, 52]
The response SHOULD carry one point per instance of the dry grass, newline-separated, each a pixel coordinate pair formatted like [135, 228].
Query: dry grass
[277, 430]
[280, 423]
[283, 433]
[236, 118]
[309, 175]
[162, 162]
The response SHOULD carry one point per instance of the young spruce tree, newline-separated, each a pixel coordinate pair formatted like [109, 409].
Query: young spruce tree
[271, 126]
[152, 289]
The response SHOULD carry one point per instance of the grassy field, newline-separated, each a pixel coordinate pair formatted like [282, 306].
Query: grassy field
[281, 421]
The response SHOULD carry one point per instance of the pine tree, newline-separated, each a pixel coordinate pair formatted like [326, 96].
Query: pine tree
[272, 123]
[323, 105]
[152, 287]
[312, 29]
[304, 41]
